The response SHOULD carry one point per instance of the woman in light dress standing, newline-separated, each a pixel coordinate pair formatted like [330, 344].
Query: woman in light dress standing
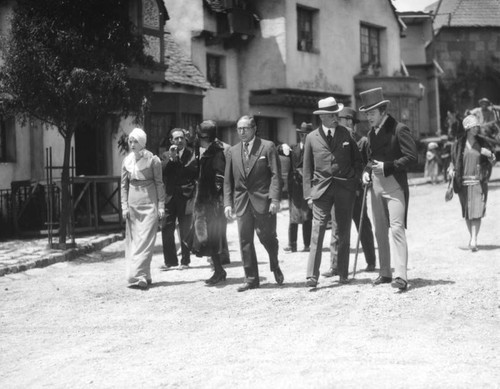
[143, 204]
[472, 158]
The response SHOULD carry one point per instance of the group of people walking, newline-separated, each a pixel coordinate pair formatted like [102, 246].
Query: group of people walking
[331, 170]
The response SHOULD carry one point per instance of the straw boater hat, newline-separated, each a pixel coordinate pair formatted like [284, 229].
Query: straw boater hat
[484, 100]
[371, 99]
[328, 105]
[305, 128]
[349, 113]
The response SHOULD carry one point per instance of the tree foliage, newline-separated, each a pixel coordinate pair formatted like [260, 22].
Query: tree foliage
[65, 63]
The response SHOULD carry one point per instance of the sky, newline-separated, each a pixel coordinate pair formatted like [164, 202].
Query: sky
[411, 5]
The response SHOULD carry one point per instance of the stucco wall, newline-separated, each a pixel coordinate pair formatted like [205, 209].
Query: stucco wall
[413, 43]
[339, 58]
[480, 46]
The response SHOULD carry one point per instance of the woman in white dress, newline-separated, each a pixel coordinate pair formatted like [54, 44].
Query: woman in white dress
[143, 204]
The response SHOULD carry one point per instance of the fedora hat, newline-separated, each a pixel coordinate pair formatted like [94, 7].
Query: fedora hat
[484, 100]
[349, 113]
[305, 128]
[371, 99]
[328, 105]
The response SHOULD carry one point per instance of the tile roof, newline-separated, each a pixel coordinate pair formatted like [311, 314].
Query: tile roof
[181, 69]
[467, 13]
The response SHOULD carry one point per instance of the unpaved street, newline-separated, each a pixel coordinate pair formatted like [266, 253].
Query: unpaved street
[76, 325]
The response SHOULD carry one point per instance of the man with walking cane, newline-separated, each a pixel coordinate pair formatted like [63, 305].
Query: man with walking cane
[391, 151]
[348, 119]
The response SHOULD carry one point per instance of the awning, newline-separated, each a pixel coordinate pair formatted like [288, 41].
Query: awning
[295, 98]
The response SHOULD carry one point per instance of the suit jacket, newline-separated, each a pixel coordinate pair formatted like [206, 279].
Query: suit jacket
[324, 163]
[180, 175]
[395, 147]
[260, 184]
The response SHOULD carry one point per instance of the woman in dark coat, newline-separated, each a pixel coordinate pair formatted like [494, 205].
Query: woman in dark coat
[209, 221]
[471, 161]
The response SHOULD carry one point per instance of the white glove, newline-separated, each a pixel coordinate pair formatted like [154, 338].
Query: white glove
[366, 178]
[228, 213]
[286, 149]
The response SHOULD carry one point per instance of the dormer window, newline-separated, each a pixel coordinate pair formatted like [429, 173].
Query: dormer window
[150, 16]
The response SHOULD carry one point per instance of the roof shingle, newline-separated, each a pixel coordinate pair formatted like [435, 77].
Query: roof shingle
[466, 13]
[181, 69]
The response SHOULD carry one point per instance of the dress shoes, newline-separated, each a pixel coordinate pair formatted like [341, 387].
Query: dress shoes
[168, 267]
[290, 249]
[278, 276]
[400, 284]
[142, 284]
[248, 285]
[370, 268]
[183, 267]
[330, 273]
[216, 278]
[306, 249]
[311, 283]
[382, 280]
[343, 280]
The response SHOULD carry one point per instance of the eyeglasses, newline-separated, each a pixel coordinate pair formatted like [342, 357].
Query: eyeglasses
[244, 129]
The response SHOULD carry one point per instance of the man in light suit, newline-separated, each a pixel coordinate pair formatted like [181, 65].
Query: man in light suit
[332, 172]
[252, 185]
[391, 151]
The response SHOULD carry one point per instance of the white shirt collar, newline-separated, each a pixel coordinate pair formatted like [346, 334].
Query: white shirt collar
[250, 144]
[325, 130]
[377, 129]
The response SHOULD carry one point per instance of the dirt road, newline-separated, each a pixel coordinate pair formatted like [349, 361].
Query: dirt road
[75, 324]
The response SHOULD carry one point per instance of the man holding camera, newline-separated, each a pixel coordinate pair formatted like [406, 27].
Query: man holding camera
[180, 171]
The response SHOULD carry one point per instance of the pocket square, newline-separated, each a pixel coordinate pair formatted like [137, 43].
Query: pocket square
[263, 157]
[345, 144]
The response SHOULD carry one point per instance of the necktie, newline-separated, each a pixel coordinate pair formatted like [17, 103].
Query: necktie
[329, 136]
[246, 150]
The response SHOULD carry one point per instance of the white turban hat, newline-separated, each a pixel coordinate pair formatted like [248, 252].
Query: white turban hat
[139, 135]
[470, 121]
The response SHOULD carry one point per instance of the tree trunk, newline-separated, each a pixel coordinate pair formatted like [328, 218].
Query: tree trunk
[65, 216]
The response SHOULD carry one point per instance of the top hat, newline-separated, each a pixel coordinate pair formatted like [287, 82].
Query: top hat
[328, 105]
[484, 100]
[349, 113]
[371, 99]
[305, 128]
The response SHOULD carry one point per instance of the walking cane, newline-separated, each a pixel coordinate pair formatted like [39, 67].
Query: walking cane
[363, 204]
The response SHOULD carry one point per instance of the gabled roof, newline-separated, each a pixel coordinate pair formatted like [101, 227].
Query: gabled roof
[467, 13]
[181, 69]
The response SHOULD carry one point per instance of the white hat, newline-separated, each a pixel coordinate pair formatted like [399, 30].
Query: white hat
[470, 121]
[328, 105]
[139, 135]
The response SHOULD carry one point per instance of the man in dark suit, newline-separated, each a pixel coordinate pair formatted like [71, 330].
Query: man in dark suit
[180, 171]
[391, 151]
[332, 171]
[299, 210]
[252, 185]
[348, 119]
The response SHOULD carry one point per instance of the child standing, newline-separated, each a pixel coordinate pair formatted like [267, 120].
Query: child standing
[432, 162]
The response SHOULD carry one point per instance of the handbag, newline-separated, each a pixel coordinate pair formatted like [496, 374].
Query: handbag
[449, 191]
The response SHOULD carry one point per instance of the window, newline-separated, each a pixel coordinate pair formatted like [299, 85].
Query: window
[216, 71]
[267, 128]
[7, 139]
[306, 29]
[370, 46]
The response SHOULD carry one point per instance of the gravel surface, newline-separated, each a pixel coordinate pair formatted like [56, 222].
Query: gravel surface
[75, 324]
